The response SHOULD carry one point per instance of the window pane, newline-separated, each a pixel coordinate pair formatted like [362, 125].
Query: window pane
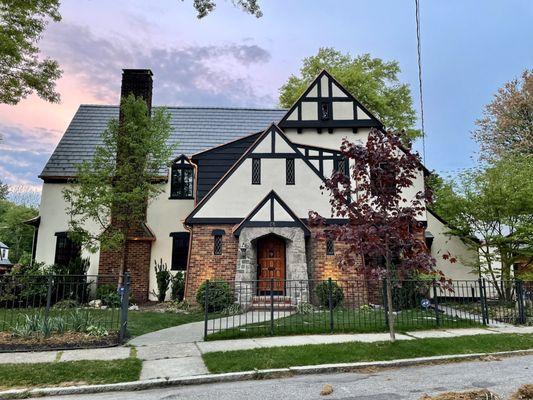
[330, 247]
[187, 182]
[256, 171]
[182, 182]
[180, 251]
[217, 245]
[66, 249]
[290, 171]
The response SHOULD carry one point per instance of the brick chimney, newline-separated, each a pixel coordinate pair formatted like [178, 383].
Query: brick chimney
[139, 239]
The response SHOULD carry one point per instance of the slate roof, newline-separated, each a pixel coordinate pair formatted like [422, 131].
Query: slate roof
[194, 128]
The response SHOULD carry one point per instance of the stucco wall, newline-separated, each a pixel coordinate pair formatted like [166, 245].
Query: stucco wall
[444, 243]
[54, 219]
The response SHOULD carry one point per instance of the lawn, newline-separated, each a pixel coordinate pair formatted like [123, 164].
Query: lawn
[79, 372]
[141, 322]
[344, 321]
[283, 357]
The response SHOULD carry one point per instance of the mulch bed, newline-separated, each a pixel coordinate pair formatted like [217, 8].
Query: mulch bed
[472, 395]
[68, 340]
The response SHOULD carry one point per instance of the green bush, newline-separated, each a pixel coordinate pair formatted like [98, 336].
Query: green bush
[162, 277]
[109, 295]
[219, 296]
[322, 292]
[177, 289]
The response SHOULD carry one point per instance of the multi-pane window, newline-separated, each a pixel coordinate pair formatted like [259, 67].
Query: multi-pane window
[330, 246]
[180, 250]
[256, 171]
[290, 173]
[182, 181]
[66, 249]
[341, 165]
[217, 250]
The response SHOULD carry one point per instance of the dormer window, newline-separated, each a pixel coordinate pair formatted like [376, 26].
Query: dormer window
[181, 180]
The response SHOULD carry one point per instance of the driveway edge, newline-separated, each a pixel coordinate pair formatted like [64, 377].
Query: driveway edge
[247, 375]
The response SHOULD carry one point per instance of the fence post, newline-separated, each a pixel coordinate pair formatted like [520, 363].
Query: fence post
[436, 303]
[330, 303]
[385, 302]
[48, 299]
[482, 300]
[272, 306]
[520, 300]
[206, 307]
[124, 306]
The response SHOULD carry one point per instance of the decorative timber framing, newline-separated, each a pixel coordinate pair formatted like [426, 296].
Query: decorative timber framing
[272, 129]
[271, 199]
[326, 99]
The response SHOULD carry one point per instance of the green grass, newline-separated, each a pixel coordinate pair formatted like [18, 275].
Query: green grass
[283, 357]
[344, 321]
[141, 322]
[58, 373]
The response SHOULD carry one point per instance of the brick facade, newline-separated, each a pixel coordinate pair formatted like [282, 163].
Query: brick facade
[204, 264]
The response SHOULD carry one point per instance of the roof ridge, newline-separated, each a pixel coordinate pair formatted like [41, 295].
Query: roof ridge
[195, 107]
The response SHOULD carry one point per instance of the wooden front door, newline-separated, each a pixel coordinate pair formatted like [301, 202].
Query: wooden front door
[271, 265]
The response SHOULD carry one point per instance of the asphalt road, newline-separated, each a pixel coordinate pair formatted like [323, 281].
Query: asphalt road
[502, 377]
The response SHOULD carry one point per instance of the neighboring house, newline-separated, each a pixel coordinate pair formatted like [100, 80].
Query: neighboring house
[5, 264]
[237, 195]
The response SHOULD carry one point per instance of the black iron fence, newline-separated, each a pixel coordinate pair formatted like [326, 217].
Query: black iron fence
[285, 307]
[62, 311]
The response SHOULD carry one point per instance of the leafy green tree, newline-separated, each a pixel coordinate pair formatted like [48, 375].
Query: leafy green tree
[491, 209]
[507, 122]
[4, 190]
[205, 7]
[114, 188]
[13, 231]
[22, 23]
[372, 81]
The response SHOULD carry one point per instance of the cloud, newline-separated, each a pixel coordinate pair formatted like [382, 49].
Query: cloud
[215, 75]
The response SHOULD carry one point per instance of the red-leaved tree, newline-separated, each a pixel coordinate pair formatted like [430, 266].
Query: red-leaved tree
[383, 211]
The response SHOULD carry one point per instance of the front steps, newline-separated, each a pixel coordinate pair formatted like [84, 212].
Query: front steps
[264, 303]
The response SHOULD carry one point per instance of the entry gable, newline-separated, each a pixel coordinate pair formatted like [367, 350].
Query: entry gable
[326, 104]
[272, 211]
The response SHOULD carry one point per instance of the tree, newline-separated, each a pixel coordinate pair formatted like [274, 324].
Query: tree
[372, 81]
[205, 7]
[4, 190]
[114, 188]
[13, 231]
[382, 226]
[491, 209]
[21, 71]
[507, 122]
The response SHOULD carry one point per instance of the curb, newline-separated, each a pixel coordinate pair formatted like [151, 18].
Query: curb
[247, 375]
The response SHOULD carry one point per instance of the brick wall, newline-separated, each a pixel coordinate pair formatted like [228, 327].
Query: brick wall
[203, 264]
[137, 264]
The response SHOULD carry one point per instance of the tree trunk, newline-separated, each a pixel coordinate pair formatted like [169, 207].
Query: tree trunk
[389, 293]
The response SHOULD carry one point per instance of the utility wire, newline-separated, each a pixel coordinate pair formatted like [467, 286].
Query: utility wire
[419, 52]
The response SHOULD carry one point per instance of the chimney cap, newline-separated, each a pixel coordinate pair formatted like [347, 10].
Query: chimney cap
[137, 71]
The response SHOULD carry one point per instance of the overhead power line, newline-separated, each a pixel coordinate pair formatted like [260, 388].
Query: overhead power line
[419, 52]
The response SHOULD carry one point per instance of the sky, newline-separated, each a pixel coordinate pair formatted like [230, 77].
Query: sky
[469, 49]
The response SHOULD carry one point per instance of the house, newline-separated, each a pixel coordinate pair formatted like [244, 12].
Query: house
[5, 264]
[237, 194]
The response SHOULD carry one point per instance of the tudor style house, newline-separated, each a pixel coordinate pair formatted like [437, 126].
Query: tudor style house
[237, 194]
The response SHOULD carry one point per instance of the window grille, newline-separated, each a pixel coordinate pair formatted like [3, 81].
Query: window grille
[290, 172]
[256, 171]
[217, 244]
[330, 246]
[182, 181]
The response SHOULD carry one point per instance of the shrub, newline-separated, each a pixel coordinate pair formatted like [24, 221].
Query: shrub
[162, 277]
[322, 292]
[177, 289]
[109, 295]
[219, 296]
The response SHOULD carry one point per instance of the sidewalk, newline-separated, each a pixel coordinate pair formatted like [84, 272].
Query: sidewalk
[164, 359]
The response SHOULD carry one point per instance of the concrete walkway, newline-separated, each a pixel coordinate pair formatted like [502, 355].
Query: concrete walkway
[166, 359]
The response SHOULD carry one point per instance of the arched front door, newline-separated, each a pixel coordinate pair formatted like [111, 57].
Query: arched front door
[271, 264]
